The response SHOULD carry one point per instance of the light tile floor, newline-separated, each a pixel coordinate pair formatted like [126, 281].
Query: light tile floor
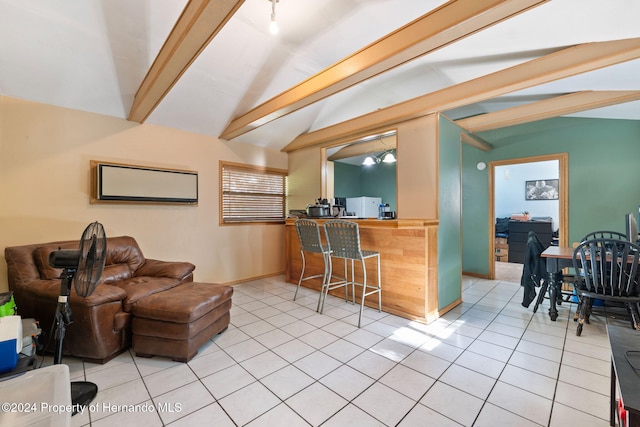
[488, 362]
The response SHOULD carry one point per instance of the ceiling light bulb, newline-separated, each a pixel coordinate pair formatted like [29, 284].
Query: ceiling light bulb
[368, 161]
[389, 158]
[273, 25]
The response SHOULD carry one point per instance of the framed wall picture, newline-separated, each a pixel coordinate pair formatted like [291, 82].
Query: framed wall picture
[542, 189]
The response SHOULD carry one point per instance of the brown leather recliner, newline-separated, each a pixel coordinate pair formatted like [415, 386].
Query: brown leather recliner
[101, 327]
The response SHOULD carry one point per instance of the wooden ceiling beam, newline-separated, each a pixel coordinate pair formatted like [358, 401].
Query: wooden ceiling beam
[475, 141]
[199, 22]
[446, 24]
[548, 108]
[560, 64]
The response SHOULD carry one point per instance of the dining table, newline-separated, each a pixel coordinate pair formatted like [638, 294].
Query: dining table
[557, 258]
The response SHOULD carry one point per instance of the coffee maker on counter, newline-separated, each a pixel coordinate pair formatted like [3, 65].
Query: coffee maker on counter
[339, 207]
[321, 209]
[324, 209]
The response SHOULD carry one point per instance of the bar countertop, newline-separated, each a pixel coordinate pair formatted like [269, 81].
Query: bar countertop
[408, 263]
[374, 222]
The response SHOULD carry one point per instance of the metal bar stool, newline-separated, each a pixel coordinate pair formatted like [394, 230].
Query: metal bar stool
[309, 236]
[343, 238]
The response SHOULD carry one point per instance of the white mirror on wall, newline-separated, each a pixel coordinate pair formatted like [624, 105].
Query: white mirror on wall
[121, 183]
[365, 168]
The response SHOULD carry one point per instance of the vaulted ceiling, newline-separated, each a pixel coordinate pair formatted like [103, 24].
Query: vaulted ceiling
[337, 68]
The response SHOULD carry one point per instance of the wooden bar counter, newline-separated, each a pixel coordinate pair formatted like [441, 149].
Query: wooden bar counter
[408, 264]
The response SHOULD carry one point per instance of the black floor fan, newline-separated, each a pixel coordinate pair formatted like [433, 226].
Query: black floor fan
[83, 267]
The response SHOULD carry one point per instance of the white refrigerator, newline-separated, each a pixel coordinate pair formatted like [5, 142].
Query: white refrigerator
[364, 207]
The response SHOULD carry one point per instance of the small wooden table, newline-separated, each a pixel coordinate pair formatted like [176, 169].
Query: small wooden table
[624, 343]
[558, 257]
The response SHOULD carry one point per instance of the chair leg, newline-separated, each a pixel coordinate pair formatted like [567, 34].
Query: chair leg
[587, 313]
[379, 286]
[328, 265]
[576, 315]
[559, 290]
[301, 276]
[346, 280]
[328, 285]
[635, 316]
[364, 290]
[583, 309]
[353, 282]
[346, 285]
[541, 294]
[327, 282]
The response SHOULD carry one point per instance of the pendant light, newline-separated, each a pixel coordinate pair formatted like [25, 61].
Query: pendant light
[273, 25]
[368, 161]
[386, 157]
[389, 158]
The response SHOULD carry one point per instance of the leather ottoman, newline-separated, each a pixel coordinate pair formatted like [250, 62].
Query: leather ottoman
[177, 322]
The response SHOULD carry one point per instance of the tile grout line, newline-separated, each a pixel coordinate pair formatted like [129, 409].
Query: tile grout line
[507, 361]
[376, 380]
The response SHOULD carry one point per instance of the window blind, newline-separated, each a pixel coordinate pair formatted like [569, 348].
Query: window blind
[252, 194]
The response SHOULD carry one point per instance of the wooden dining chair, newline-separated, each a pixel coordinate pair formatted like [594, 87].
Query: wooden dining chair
[604, 235]
[607, 269]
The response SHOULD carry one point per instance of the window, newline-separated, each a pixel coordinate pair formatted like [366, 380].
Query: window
[252, 194]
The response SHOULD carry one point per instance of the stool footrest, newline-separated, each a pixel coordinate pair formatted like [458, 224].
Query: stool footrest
[177, 322]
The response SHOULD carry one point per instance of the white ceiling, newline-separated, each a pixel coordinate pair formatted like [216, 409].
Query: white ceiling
[92, 55]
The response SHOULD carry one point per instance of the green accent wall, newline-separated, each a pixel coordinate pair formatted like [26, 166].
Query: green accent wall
[449, 211]
[604, 176]
[346, 180]
[475, 212]
[372, 181]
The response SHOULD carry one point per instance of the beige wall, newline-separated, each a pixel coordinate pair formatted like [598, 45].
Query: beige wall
[44, 189]
[417, 180]
[305, 177]
[417, 172]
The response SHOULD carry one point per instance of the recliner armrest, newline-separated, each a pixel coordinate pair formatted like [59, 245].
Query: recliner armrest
[49, 290]
[174, 269]
[104, 294]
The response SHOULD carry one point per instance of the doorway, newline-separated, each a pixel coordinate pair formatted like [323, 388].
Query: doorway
[563, 234]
